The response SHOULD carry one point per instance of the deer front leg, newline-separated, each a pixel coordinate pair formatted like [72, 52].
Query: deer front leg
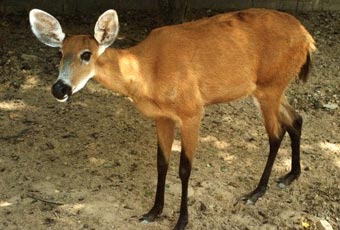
[189, 133]
[165, 135]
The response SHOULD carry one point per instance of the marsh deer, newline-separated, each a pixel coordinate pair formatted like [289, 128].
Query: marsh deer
[178, 70]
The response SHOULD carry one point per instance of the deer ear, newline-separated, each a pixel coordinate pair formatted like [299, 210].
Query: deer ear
[46, 28]
[106, 29]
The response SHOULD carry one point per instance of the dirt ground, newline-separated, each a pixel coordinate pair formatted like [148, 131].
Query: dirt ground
[91, 163]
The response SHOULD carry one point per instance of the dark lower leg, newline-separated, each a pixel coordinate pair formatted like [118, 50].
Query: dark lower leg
[184, 173]
[261, 188]
[162, 168]
[295, 136]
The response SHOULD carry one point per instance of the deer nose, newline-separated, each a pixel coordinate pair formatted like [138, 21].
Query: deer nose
[61, 91]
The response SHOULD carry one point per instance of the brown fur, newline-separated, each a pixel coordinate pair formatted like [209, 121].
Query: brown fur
[178, 70]
[304, 72]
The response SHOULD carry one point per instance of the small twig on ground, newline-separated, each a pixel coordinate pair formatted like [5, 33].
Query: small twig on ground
[16, 136]
[30, 195]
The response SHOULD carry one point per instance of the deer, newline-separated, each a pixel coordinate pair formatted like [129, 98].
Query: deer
[178, 70]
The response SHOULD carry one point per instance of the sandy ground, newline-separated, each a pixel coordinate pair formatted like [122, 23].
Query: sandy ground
[91, 163]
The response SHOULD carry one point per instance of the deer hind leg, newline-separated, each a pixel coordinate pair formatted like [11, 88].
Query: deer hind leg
[165, 134]
[270, 108]
[292, 122]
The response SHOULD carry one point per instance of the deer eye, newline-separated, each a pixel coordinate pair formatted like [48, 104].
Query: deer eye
[85, 56]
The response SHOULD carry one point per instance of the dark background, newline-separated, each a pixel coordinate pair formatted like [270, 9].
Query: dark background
[92, 6]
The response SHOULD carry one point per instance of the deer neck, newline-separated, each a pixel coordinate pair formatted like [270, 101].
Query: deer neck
[122, 71]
